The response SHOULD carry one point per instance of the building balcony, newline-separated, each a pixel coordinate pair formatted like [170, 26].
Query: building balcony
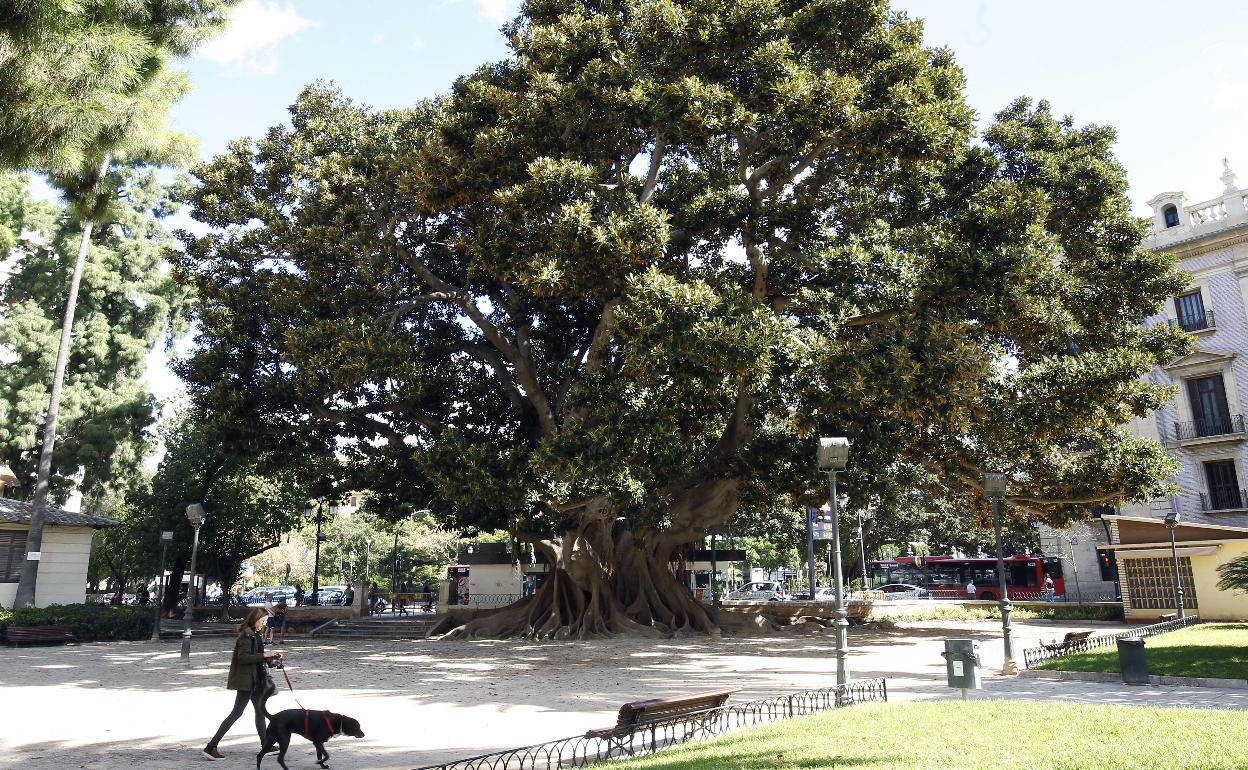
[1224, 500]
[1231, 427]
[1200, 323]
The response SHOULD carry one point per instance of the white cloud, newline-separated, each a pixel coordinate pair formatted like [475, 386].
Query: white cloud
[497, 11]
[255, 30]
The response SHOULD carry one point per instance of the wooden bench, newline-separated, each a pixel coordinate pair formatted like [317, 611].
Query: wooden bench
[1164, 618]
[661, 710]
[38, 634]
[1071, 638]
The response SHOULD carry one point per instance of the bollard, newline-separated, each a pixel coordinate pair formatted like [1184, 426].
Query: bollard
[1132, 661]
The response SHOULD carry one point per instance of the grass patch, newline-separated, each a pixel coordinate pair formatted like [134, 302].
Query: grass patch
[1209, 649]
[983, 612]
[975, 735]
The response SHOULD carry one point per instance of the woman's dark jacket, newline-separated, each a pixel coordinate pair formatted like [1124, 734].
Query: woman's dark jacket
[248, 652]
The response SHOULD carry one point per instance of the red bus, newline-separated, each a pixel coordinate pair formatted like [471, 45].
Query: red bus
[945, 577]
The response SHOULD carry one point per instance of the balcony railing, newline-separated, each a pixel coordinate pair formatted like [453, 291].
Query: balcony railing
[1194, 323]
[1223, 500]
[1213, 426]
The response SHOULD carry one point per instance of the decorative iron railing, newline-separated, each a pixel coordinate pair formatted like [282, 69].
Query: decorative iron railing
[1210, 426]
[1223, 499]
[649, 737]
[487, 600]
[1194, 322]
[1037, 655]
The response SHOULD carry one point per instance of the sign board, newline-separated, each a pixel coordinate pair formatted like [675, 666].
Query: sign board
[33, 555]
[166, 536]
[820, 524]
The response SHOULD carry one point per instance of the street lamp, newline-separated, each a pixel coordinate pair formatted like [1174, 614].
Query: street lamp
[194, 514]
[833, 456]
[166, 537]
[862, 545]
[320, 538]
[994, 490]
[1172, 523]
[394, 553]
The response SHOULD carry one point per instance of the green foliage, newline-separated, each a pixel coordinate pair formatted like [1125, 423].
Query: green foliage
[90, 622]
[974, 735]
[636, 269]
[77, 78]
[127, 305]
[1208, 650]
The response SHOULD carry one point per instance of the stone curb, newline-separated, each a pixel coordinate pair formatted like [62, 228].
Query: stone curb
[1099, 676]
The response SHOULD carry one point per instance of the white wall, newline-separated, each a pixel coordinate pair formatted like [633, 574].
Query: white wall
[62, 570]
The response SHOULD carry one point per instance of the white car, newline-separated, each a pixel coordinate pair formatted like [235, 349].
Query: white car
[902, 591]
[762, 590]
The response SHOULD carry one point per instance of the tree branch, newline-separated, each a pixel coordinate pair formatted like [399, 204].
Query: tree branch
[656, 161]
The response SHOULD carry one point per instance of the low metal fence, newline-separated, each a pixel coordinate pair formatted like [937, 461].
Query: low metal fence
[649, 737]
[489, 600]
[1037, 655]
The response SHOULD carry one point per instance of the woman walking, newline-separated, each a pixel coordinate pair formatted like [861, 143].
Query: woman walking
[248, 677]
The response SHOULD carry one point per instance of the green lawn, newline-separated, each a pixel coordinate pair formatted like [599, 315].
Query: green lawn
[976, 735]
[1209, 649]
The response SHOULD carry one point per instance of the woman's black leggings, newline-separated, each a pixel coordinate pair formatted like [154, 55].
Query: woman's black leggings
[257, 698]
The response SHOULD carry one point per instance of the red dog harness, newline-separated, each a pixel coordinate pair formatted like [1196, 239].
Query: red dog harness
[306, 713]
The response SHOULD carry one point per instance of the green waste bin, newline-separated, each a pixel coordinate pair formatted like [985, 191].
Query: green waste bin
[1132, 661]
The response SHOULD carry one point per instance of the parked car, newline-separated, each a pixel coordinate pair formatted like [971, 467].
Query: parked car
[256, 595]
[822, 594]
[762, 590]
[331, 596]
[901, 591]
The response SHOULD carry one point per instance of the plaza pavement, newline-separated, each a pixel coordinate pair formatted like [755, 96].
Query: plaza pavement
[134, 706]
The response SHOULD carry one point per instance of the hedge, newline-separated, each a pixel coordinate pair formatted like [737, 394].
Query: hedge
[90, 622]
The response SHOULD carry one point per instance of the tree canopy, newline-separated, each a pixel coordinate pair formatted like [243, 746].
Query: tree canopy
[128, 304]
[610, 291]
[73, 74]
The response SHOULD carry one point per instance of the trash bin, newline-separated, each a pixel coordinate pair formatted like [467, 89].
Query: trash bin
[1131, 660]
[962, 664]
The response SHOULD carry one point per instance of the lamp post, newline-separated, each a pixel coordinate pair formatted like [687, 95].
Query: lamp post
[1172, 523]
[994, 489]
[833, 456]
[194, 514]
[862, 545]
[320, 538]
[166, 537]
[1074, 564]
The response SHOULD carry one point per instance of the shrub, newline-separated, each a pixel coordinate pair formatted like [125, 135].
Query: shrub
[90, 622]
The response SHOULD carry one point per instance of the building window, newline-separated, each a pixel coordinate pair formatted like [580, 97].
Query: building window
[1150, 583]
[1190, 308]
[12, 549]
[1211, 415]
[1171, 213]
[1223, 486]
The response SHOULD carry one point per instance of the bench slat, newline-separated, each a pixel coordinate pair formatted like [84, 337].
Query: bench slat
[15, 634]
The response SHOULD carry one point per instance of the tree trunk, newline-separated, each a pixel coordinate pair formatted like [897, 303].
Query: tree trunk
[29, 576]
[170, 602]
[607, 580]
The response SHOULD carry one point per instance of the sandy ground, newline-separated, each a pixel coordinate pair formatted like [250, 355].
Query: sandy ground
[135, 706]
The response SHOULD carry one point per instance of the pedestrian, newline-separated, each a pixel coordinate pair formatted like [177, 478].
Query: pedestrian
[277, 623]
[428, 596]
[348, 597]
[141, 595]
[298, 594]
[248, 677]
[269, 611]
[371, 598]
[971, 589]
[1048, 588]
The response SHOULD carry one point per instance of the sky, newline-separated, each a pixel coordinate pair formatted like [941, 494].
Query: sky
[1170, 79]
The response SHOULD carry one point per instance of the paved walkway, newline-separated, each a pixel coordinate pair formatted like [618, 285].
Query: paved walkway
[134, 706]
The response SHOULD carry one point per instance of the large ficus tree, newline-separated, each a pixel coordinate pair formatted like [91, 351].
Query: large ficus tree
[610, 291]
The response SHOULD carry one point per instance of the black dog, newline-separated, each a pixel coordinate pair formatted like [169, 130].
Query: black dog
[316, 726]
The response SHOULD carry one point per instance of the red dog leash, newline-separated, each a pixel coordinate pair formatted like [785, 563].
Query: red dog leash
[324, 714]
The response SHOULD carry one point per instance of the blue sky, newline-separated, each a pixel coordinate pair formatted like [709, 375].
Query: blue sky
[1170, 78]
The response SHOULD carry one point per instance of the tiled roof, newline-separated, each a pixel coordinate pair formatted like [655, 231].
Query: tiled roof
[18, 512]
